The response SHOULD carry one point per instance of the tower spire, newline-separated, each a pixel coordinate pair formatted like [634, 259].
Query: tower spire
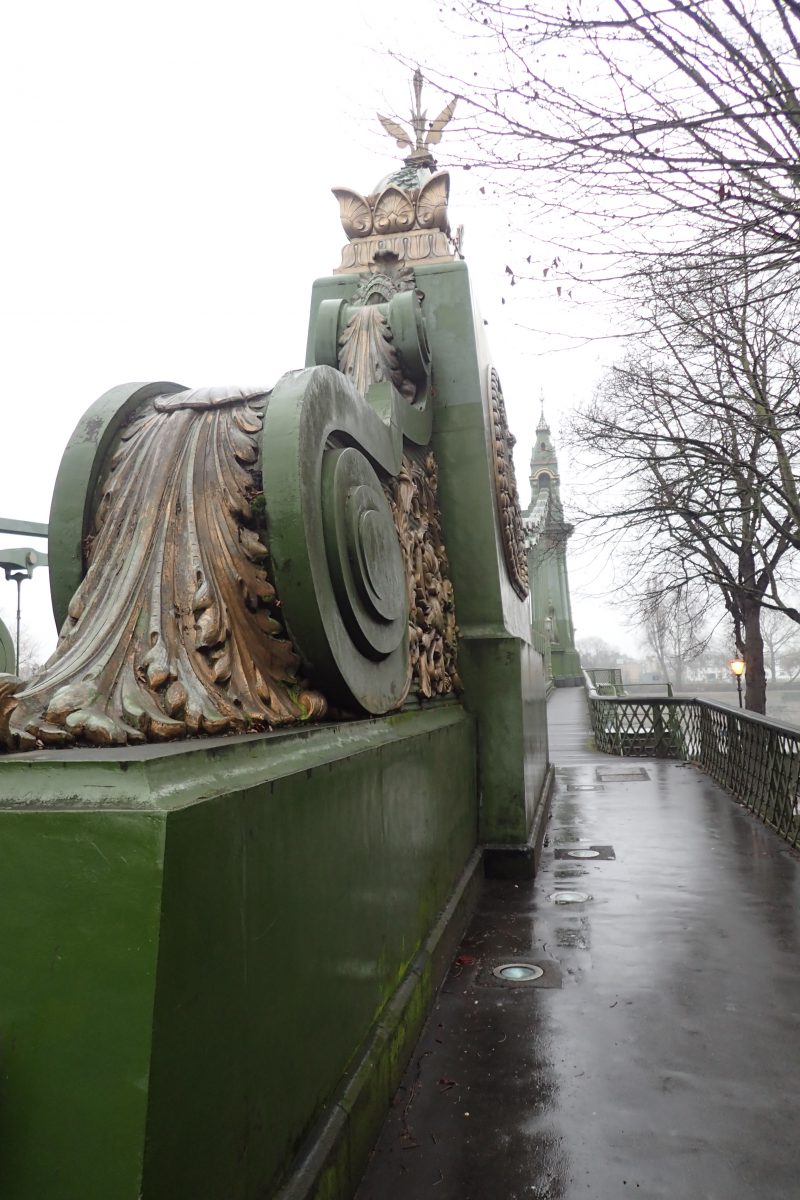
[543, 426]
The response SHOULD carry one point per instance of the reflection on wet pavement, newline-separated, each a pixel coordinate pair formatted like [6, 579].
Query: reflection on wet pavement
[665, 1064]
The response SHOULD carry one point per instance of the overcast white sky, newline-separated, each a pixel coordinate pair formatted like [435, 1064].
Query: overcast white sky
[166, 206]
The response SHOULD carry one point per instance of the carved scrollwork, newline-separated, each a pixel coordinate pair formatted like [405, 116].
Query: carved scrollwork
[176, 628]
[406, 222]
[380, 338]
[512, 533]
[432, 203]
[354, 213]
[380, 286]
[432, 626]
[367, 353]
[394, 211]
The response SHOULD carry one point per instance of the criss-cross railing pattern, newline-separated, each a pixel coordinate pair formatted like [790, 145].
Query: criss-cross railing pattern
[607, 681]
[754, 759]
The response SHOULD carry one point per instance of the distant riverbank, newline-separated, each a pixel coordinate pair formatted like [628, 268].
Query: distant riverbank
[783, 701]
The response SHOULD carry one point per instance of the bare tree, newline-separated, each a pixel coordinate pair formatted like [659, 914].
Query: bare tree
[698, 430]
[672, 118]
[673, 626]
[596, 652]
[790, 662]
[781, 641]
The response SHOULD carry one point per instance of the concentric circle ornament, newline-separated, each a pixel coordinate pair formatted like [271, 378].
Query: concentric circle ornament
[512, 533]
[334, 548]
[363, 553]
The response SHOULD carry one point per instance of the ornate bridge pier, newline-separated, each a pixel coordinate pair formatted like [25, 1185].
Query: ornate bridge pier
[294, 709]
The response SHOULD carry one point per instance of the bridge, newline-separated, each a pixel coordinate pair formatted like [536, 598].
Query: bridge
[313, 774]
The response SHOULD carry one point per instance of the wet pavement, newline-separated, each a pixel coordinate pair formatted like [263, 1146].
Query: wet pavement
[659, 1053]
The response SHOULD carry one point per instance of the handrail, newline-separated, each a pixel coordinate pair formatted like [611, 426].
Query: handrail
[754, 758]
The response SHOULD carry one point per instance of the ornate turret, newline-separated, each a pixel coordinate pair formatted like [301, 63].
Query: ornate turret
[404, 219]
[544, 464]
[547, 534]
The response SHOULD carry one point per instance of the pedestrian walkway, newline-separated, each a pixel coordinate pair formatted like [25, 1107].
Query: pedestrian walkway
[659, 1054]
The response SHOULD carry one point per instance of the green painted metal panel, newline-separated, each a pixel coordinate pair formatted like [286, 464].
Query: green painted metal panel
[79, 939]
[291, 912]
[201, 940]
[26, 528]
[503, 676]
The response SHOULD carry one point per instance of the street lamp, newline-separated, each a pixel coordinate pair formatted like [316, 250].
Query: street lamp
[737, 668]
[18, 564]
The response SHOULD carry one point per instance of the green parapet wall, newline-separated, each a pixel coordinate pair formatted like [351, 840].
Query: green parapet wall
[204, 945]
[502, 673]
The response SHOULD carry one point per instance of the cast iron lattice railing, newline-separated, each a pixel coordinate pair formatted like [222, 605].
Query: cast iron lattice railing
[754, 759]
[607, 681]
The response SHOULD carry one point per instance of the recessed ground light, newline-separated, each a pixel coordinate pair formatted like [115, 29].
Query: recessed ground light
[570, 897]
[583, 853]
[518, 972]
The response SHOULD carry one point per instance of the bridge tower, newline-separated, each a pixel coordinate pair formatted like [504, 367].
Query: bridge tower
[547, 534]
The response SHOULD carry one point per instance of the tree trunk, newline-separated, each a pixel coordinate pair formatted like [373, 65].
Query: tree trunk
[755, 697]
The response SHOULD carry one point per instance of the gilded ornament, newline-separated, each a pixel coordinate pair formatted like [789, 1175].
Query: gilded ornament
[394, 211]
[406, 218]
[176, 628]
[367, 353]
[432, 203]
[432, 629]
[424, 135]
[354, 213]
[369, 350]
[512, 532]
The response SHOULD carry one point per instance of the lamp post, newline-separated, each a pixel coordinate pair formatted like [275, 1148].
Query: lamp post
[737, 668]
[18, 564]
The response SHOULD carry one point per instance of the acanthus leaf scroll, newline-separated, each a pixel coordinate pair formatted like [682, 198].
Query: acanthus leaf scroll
[176, 628]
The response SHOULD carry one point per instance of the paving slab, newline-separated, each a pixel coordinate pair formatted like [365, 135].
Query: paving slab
[658, 1055]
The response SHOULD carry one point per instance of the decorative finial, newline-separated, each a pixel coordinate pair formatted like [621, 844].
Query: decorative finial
[420, 155]
[542, 426]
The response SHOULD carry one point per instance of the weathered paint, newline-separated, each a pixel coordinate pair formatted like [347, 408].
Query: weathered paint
[192, 964]
[503, 676]
[79, 927]
[76, 487]
[512, 741]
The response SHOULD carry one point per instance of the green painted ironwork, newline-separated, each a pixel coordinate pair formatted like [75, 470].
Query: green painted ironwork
[26, 528]
[756, 760]
[606, 681]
